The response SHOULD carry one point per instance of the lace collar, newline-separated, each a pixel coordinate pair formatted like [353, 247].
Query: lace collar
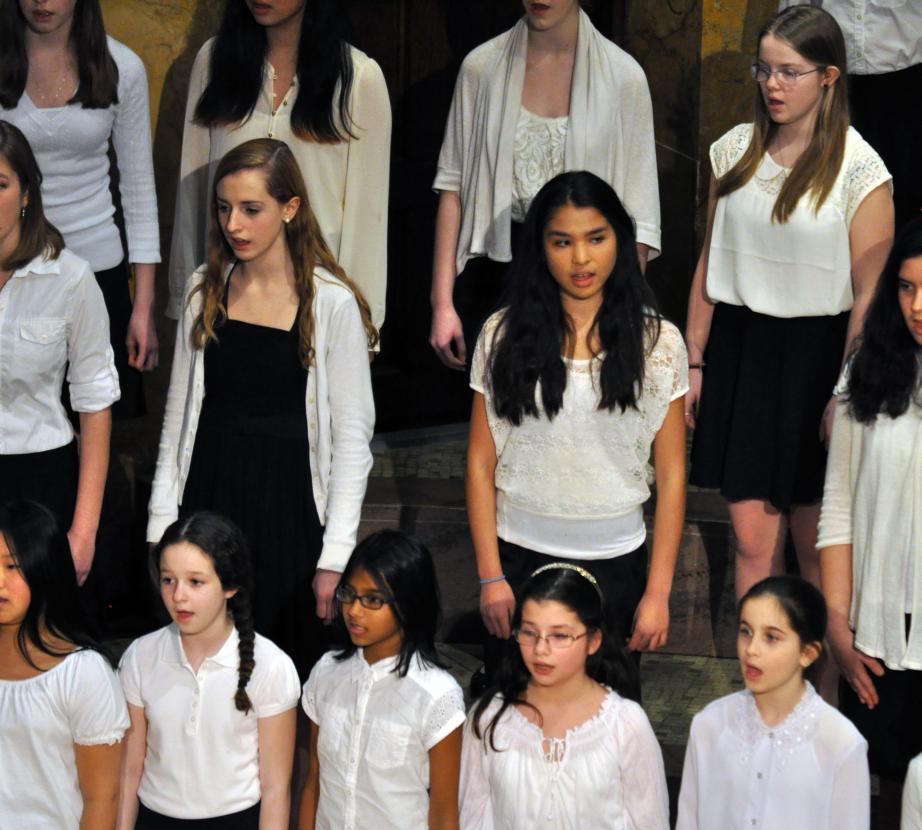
[796, 730]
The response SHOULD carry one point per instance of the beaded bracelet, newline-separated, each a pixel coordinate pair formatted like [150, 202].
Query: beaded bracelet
[487, 581]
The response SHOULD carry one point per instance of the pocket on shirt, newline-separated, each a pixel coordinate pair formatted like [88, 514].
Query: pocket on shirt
[42, 344]
[332, 737]
[388, 744]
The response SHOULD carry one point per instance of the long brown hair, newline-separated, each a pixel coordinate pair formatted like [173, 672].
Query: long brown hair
[815, 35]
[306, 245]
[36, 234]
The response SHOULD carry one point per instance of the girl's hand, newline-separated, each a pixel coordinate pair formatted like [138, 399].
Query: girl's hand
[143, 348]
[693, 397]
[447, 332]
[651, 625]
[82, 549]
[497, 605]
[826, 422]
[325, 583]
[854, 666]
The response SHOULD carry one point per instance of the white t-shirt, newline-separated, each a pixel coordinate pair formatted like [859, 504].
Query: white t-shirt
[801, 268]
[77, 702]
[606, 774]
[809, 771]
[202, 756]
[575, 486]
[376, 730]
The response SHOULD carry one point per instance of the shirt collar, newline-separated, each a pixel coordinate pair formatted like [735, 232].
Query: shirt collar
[361, 669]
[39, 265]
[227, 655]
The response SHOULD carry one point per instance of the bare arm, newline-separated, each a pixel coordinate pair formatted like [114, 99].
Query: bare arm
[444, 770]
[133, 766]
[643, 254]
[307, 815]
[446, 325]
[95, 428]
[651, 622]
[276, 757]
[142, 333]
[98, 777]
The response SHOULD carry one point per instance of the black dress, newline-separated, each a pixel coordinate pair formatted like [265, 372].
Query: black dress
[251, 462]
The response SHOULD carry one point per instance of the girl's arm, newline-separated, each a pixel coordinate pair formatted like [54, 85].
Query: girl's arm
[446, 325]
[98, 778]
[133, 766]
[95, 428]
[651, 622]
[850, 801]
[497, 602]
[276, 757]
[444, 769]
[142, 342]
[307, 815]
[643, 777]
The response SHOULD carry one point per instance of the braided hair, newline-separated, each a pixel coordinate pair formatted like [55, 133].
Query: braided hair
[222, 542]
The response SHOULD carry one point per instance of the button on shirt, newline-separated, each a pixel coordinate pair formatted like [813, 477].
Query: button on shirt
[202, 755]
[376, 730]
[52, 318]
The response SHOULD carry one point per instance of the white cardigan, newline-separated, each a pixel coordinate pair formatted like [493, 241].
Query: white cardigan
[610, 134]
[340, 418]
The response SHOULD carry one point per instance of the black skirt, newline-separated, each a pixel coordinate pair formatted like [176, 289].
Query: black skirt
[766, 384]
[244, 820]
[48, 477]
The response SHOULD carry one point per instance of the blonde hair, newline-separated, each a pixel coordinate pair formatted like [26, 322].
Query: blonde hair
[306, 246]
[815, 35]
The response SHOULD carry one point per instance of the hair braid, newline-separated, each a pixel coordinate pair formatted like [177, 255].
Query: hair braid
[242, 611]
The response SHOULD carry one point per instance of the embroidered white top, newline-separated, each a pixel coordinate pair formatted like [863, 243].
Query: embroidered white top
[803, 267]
[52, 319]
[606, 774]
[575, 486]
[873, 501]
[76, 702]
[376, 730]
[202, 756]
[71, 145]
[347, 182]
[811, 770]
[538, 157]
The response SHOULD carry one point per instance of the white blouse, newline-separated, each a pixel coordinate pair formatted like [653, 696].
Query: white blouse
[575, 486]
[538, 156]
[376, 730]
[873, 502]
[347, 181]
[202, 757]
[911, 817]
[71, 144]
[801, 268]
[76, 702]
[809, 771]
[606, 774]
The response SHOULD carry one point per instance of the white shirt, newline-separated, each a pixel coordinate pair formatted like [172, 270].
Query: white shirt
[873, 501]
[202, 756]
[347, 182]
[801, 268]
[810, 772]
[606, 774]
[376, 730]
[911, 818]
[575, 486]
[340, 418]
[538, 156]
[76, 702]
[610, 134]
[71, 145]
[880, 35]
[52, 318]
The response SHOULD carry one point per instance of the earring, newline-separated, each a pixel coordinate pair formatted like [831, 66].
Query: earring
[286, 220]
[22, 212]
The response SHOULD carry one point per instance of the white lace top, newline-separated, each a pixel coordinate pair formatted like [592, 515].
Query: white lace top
[376, 730]
[803, 267]
[811, 770]
[574, 486]
[606, 774]
[538, 157]
[41, 719]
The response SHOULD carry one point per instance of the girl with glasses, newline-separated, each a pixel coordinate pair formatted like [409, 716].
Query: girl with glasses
[558, 740]
[800, 219]
[385, 716]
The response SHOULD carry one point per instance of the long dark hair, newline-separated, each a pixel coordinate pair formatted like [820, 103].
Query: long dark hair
[40, 548]
[528, 343]
[324, 70]
[222, 542]
[401, 567]
[885, 370]
[610, 665]
[96, 69]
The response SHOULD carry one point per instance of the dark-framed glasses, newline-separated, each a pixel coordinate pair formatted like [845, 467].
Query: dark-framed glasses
[556, 640]
[787, 77]
[345, 595]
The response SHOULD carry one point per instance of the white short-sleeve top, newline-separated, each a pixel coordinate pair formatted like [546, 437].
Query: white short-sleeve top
[811, 770]
[801, 268]
[575, 486]
[76, 702]
[376, 730]
[606, 774]
[202, 755]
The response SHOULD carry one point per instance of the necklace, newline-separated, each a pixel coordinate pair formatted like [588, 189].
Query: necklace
[53, 86]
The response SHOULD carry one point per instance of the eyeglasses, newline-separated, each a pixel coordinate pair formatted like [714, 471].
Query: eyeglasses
[373, 602]
[787, 77]
[557, 640]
